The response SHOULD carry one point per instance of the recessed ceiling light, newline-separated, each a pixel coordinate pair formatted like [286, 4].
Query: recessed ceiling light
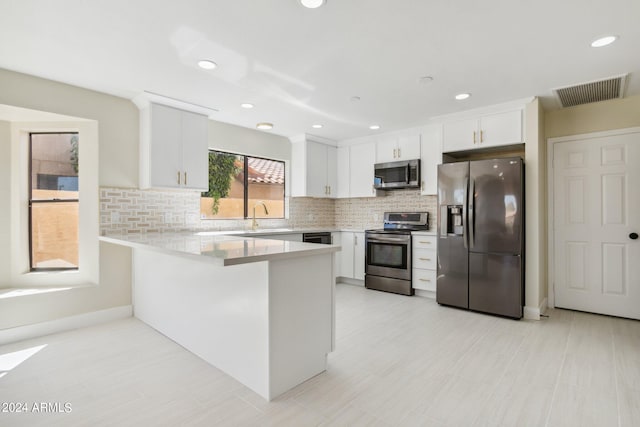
[425, 80]
[316, 126]
[206, 64]
[603, 41]
[374, 127]
[462, 96]
[312, 4]
[246, 105]
[264, 126]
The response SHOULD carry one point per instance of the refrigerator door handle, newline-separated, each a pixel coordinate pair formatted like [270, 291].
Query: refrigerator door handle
[472, 225]
[464, 214]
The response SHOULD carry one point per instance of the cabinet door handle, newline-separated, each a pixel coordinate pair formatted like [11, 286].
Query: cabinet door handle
[399, 153]
[328, 189]
[178, 177]
[424, 280]
[426, 243]
[481, 136]
[424, 259]
[474, 136]
[185, 178]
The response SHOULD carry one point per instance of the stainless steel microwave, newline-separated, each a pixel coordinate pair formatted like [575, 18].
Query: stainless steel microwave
[397, 175]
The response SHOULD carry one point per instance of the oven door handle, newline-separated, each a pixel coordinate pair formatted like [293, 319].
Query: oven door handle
[388, 240]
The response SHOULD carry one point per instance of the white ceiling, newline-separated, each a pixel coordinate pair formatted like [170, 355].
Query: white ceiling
[302, 66]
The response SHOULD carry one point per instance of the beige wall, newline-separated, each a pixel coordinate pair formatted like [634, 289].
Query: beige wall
[594, 117]
[118, 135]
[535, 250]
[118, 120]
[117, 131]
[236, 139]
[587, 118]
[5, 185]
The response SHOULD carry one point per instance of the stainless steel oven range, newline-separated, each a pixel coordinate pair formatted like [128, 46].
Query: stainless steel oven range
[388, 252]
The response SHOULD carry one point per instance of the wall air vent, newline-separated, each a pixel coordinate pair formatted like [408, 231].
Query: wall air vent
[585, 93]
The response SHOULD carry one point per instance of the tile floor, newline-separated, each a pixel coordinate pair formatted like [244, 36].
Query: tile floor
[400, 361]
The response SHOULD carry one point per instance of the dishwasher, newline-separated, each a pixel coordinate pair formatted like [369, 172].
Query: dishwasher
[321, 237]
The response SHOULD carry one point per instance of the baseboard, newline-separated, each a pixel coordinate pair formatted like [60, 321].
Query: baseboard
[425, 294]
[350, 281]
[533, 313]
[20, 333]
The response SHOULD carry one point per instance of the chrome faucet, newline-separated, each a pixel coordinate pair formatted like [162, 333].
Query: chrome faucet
[254, 223]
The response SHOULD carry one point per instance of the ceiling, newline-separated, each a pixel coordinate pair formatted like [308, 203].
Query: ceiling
[301, 67]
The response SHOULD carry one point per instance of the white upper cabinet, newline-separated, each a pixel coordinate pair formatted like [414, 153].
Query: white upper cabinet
[489, 130]
[398, 146]
[362, 158]
[343, 173]
[431, 157]
[313, 169]
[173, 149]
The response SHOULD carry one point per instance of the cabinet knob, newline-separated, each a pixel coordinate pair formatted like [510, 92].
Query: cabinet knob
[633, 236]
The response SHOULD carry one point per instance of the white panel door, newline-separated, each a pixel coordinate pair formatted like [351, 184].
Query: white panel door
[596, 211]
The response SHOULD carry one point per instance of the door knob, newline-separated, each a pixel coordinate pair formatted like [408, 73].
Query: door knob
[633, 236]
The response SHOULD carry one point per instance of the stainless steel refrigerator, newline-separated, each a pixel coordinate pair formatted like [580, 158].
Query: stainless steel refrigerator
[481, 236]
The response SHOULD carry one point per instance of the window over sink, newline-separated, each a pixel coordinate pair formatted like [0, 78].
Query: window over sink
[238, 183]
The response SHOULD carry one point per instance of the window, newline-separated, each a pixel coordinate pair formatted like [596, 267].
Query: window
[53, 201]
[237, 183]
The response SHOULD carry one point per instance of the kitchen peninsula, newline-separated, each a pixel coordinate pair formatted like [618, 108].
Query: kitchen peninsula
[261, 310]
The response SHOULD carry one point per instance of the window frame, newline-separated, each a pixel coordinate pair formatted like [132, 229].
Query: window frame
[245, 201]
[31, 201]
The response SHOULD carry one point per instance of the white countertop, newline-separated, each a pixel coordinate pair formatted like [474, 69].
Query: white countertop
[218, 248]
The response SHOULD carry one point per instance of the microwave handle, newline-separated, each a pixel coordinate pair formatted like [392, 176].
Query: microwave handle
[406, 173]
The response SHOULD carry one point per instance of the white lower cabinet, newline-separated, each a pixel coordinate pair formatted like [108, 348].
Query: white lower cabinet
[424, 261]
[351, 257]
[358, 256]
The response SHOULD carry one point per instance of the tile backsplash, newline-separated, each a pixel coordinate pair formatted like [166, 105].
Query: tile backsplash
[127, 210]
[368, 212]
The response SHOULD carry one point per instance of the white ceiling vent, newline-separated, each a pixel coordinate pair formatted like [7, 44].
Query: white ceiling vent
[585, 93]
